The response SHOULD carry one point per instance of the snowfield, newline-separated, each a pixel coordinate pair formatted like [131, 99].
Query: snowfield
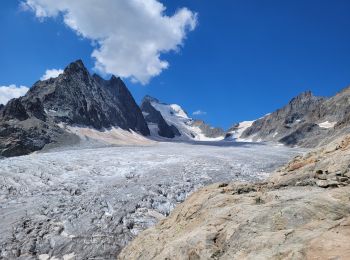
[88, 203]
[327, 124]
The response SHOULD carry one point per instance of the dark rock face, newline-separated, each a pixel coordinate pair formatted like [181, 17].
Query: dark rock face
[297, 123]
[169, 122]
[153, 116]
[229, 132]
[22, 110]
[15, 110]
[301, 133]
[23, 137]
[75, 97]
[284, 120]
[282, 123]
[207, 130]
[336, 108]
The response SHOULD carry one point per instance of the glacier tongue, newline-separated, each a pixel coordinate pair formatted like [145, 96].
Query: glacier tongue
[90, 202]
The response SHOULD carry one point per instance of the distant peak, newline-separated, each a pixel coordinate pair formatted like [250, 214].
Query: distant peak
[148, 98]
[115, 78]
[307, 93]
[116, 81]
[75, 66]
[305, 97]
[95, 75]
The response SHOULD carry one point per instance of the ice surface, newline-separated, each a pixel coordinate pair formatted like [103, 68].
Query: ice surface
[88, 203]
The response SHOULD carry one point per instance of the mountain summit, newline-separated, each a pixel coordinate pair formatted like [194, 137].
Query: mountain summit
[306, 120]
[76, 98]
[172, 121]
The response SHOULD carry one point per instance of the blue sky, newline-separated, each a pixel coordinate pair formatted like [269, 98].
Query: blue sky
[242, 60]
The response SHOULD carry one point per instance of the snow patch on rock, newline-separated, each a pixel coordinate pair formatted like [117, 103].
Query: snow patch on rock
[238, 131]
[327, 124]
[175, 115]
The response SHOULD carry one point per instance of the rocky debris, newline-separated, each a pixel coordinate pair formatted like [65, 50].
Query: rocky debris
[301, 212]
[325, 167]
[29, 123]
[154, 117]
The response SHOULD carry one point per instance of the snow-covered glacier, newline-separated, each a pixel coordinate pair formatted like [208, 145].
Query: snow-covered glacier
[88, 203]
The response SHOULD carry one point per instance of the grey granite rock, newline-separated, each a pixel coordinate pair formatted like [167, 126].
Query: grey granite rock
[299, 122]
[286, 120]
[75, 97]
[208, 130]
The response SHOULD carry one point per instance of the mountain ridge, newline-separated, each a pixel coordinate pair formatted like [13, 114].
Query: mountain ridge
[29, 123]
[172, 121]
[75, 97]
[307, 120]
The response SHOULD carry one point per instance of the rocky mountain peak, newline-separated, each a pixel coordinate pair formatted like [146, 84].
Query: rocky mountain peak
[150, 99]
[297, 114]
[76, 66]
[77, 69]
[344, 91]
[73, 98]
[115, 79]
[155, 120]
[304, 97]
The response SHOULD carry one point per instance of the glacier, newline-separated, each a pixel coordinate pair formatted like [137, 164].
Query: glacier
[88, 203]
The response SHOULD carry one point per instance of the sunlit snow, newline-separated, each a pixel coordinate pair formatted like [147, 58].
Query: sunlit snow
[327, 124]
[174, 115]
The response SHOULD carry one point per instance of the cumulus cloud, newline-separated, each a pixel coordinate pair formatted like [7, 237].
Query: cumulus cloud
[129, 35]
[51, 74]
[9, 92]
[199, 113]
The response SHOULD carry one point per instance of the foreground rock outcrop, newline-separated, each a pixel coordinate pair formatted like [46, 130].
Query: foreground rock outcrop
[301, 212]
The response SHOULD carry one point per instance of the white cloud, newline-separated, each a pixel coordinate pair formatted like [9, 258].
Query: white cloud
[51, 74]
[9, 92]
[131, 35]
[199, 112]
